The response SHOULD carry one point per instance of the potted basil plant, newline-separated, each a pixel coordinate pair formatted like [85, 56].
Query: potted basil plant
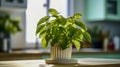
[61, 33]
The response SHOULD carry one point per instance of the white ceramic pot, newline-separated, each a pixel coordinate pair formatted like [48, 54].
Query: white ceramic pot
[57, 53]
[60, 56]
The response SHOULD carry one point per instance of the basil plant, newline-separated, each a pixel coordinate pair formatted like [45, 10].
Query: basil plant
[55, 28]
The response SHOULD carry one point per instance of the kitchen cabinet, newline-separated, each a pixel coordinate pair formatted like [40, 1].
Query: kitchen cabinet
[102, 10]
[13, 3]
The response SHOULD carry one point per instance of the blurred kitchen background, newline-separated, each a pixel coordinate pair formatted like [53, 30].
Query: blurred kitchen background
[101, 16]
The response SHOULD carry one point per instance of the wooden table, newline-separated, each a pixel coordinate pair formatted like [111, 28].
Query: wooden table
[82, 62]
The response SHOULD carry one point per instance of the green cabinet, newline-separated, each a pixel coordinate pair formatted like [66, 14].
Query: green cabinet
[100, 10]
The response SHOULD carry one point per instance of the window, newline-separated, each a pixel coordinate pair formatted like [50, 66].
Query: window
[35, 10]
[112, 7]
[59, 5]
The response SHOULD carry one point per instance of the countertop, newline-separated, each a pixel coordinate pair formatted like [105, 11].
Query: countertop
[83, 62]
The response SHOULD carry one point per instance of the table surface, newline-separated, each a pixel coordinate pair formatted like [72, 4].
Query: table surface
[82, 62]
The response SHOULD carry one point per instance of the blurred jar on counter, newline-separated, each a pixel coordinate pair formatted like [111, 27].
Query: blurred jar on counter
[116, 41]
[106, 35]
[111, 45]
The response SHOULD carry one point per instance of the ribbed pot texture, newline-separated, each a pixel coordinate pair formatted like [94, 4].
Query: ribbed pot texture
[57, 53]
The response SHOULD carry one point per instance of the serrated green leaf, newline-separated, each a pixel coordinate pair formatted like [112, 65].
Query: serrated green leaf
[81, 24]
[42, 20]
[43, 42]
[53, 12]
[87, 36]
[77, 44]
[40, 28]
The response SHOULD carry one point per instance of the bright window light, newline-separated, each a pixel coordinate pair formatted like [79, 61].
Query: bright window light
[35, 11]
[60, 5]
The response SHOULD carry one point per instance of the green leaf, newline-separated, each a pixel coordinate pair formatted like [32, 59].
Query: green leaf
[70, 19]
[77, 16]
[87, 36]
[40, 28]
[42, 33]
[63, 46]
[64, 41]
[54, 41]
[48, 37]
[42, 20]
[77, 44]
[80, 37]
[81, 24]
[43, 42]
[61, 20]
[61, 31]
[54, 30]
[53, 12]
[53, 22]
[72, 31]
